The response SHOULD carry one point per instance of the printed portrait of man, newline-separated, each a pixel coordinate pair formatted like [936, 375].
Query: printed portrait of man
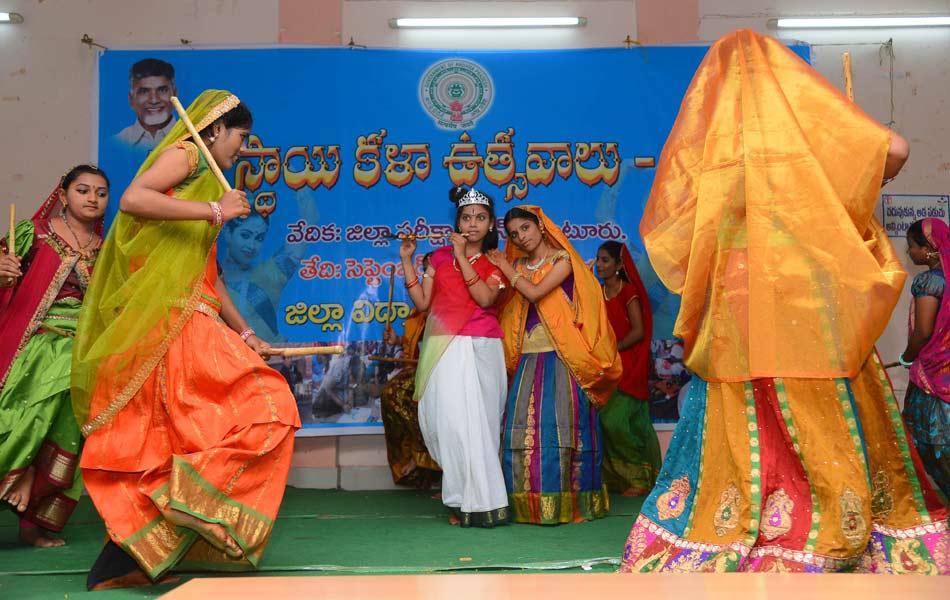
[151, 86]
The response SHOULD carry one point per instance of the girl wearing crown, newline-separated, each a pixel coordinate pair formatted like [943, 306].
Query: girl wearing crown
[460, 378]
[561, 355]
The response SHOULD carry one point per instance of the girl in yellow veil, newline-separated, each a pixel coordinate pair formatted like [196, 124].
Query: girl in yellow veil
[562, 361]
[189, 433]
[790, 454]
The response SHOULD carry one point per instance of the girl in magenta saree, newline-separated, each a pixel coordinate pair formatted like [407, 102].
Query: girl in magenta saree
[927, 405]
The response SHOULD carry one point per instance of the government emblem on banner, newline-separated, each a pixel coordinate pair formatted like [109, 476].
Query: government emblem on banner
[456, 92]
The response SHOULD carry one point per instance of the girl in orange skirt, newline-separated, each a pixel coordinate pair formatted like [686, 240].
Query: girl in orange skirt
[189, 432]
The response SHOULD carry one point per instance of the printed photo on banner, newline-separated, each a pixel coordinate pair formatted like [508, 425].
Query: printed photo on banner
[668, 380]
[256, 275]
[151, 87]
[340, 391]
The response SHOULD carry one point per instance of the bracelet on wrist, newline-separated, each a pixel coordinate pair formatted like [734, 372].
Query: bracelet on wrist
[904, 363]
[473, 280]
[515, 278]
[217, 215]
[248, 332]
[412, 284]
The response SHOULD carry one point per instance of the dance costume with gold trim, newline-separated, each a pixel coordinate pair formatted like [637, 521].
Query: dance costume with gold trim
[37, 426]
[790, 454]
[178, 411]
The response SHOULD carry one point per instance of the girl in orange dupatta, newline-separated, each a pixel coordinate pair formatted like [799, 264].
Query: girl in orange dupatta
[189, 432]
[790, 454]
[562, 358]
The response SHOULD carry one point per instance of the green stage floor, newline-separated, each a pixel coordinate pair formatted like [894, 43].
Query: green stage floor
[335, 532]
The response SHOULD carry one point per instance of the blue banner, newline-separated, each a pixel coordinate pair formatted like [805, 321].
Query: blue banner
[351, 146]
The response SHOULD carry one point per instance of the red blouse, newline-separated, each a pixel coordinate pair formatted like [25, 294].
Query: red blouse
[636, 359]
[453, 311]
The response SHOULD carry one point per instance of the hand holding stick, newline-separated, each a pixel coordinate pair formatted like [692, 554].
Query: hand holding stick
[9, 263]
[306, 351]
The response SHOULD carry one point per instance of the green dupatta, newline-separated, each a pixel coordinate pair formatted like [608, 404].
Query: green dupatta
[145, 287]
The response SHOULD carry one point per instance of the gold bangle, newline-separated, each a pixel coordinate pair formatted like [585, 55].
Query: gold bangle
[474, 279]
[515, 279]
[412, 284]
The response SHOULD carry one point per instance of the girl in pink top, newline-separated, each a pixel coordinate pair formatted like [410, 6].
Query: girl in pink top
[461, 380]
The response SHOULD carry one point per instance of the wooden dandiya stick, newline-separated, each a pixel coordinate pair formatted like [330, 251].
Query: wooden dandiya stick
[392, 284]
[306, 351]
[200, 143]
[892, 365]
[420, 236]
[11, 245]
[57, 330]
[848, 82]
[392, 359]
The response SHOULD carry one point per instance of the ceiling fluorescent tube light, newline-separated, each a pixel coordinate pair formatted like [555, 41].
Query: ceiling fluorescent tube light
[486, 22]
[866, 22]
[9, 17]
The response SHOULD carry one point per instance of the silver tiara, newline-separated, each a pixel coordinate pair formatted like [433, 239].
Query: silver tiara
[474, 197]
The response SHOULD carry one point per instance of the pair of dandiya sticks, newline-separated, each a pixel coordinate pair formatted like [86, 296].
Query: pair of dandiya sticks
[303, 350]
[392, 282]
[183, 115]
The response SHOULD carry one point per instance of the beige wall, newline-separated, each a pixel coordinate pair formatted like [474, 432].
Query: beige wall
[47, 77]
[47, 85]
[609, 22]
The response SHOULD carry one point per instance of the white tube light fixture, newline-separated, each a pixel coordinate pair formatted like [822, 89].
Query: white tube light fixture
[485, 22]
[9, 17]
[857, 22]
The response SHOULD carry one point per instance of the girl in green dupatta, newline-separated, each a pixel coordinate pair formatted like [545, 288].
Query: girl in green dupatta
[42, 284]
[189, 432]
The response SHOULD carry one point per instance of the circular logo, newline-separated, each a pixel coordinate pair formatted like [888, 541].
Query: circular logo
[456, 92]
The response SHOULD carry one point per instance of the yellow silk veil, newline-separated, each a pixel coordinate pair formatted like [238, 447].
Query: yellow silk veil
[145, 287]
[761, 218]
[577, 328]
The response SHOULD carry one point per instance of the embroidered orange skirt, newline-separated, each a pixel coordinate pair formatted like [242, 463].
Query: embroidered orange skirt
[209, 433]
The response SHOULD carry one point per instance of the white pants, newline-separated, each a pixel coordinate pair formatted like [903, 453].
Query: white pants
[460, 417]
